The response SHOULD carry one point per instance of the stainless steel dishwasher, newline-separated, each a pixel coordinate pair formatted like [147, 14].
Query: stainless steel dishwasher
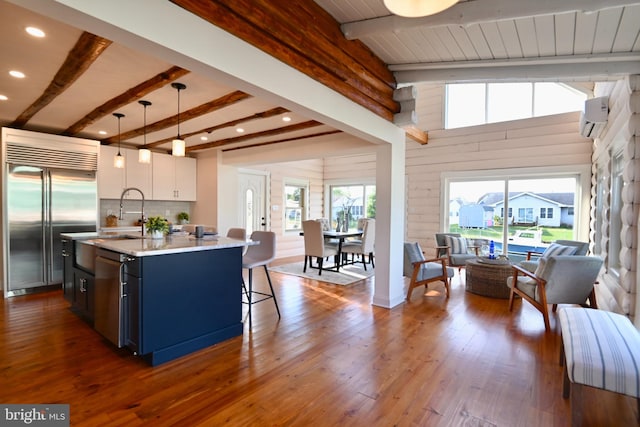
[110, 296]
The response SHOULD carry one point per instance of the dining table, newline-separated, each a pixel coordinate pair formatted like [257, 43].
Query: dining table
[340, 236]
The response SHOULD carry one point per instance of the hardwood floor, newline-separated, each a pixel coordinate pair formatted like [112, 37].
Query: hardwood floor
[333, 359]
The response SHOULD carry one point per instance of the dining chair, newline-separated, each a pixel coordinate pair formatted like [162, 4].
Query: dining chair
[364, 247]
[315, 245]
[256, 256]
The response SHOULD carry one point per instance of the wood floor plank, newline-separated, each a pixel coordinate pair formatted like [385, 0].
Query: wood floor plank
[333, 359]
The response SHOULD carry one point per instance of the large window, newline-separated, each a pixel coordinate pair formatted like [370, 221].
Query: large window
[615, 216]
[540, 209]
[295, 195]
[472, 104]
[350, 203]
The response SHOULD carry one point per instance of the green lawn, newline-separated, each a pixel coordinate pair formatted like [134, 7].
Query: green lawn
[549, 234]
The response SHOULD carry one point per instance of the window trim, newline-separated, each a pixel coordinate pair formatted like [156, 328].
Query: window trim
[294, 182]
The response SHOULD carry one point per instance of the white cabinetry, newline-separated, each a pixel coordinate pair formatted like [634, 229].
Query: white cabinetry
[174, 178]
[111, 180]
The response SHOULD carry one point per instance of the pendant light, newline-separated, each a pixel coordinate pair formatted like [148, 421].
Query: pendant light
[144, 154]
[118, 161]
[178, 145]
[417, 8]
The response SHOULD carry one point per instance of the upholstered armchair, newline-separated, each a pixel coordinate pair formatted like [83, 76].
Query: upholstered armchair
[424, 271]
[559, 247]
[455, 249]
[558, 279]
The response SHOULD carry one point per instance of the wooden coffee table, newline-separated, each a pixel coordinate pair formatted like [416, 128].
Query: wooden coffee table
[487, 279]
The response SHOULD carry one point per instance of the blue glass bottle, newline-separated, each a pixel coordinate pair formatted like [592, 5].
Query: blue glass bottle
[492, 249]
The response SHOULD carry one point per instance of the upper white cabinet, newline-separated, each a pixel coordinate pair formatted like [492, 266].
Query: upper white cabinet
[174, 178]
[111, 180]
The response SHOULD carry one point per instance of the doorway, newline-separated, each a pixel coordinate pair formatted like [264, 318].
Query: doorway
[252, 201]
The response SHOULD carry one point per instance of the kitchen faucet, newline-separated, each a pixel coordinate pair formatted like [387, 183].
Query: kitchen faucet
[125, 191]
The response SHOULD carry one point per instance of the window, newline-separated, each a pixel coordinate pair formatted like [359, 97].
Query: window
[295, 206]
[350, 203]
[546, 213]
[617, 183]
[471, 104]
[530, 223]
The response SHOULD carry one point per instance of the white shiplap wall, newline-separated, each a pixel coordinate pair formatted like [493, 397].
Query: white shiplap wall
[291, 244]
[536, 142]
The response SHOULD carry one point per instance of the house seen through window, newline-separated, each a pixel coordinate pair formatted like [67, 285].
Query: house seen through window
[539, 212]
[348, 203]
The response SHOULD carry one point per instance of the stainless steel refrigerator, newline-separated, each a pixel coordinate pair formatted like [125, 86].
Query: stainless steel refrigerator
[42, 203]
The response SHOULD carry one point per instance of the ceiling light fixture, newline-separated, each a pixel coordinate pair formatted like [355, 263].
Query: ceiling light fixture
[286, 119]
[17, 74]
[417, 8]
[35, 32]
[4, 97]
[178, 145]
[240, 130]
[144, 154]
[118, 160]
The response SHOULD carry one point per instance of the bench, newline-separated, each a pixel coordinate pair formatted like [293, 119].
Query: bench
[600, 349]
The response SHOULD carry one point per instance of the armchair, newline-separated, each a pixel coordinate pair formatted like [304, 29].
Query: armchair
[455, 249]
[424, 271]
[559, 247]
[558, 279]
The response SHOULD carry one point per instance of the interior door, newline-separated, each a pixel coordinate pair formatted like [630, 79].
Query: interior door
[252, 200]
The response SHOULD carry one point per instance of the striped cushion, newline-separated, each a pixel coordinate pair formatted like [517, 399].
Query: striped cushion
[556, 249]
[602, 350]
[457, 245]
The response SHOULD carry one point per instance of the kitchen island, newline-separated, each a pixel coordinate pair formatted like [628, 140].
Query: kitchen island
[161, 298]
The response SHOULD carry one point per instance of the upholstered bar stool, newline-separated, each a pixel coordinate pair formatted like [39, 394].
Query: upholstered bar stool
[256, 256]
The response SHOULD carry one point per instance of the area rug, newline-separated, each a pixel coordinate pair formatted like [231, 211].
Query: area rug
[348, 274]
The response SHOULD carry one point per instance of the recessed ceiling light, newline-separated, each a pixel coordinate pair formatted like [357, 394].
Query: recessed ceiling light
[286, 119]
[239, 130]
[102, 132]
[17, 74]
[204, 138]
[3, 97]
[35, 32]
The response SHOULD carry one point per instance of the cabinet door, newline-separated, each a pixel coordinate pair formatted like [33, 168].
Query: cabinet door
[111, 180]
[186, 174]
[83, 292]
[164, 177]
[138, 175]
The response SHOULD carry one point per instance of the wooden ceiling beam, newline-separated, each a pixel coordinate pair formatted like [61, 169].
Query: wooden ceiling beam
[418, 135]
[280, 141]
[206, 108]
[246, 137]
[129, 96]
[291, 35]
[262, 115]
[86, 50]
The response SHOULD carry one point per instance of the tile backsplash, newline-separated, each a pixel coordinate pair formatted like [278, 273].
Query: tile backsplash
[167, 209]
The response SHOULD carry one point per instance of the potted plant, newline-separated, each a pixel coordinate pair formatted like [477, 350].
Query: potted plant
[183, 218]
[157, 226]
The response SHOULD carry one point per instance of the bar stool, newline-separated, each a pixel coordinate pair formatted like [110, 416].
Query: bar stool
[256, 256]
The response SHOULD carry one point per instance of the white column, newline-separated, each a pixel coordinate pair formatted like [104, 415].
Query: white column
[390, 204]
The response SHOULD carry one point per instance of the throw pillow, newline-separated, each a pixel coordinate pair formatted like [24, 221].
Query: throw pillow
[457, 245]
[556, 249]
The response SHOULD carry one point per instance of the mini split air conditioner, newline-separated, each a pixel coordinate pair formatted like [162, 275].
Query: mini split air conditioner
[594, 117]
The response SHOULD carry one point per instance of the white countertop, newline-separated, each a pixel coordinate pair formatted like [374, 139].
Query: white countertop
[171, 244]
